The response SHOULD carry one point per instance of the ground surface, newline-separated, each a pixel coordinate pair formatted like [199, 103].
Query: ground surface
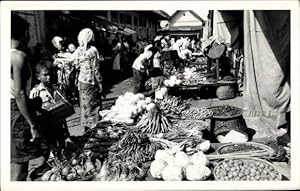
[263, 128]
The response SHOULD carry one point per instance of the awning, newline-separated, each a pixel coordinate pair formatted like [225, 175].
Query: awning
[129, 31]
[183, 28]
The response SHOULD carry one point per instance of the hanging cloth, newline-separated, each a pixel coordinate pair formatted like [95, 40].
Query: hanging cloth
[267, 62]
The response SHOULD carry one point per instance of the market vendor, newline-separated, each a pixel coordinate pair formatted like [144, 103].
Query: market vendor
[154, 83]
[139, 69]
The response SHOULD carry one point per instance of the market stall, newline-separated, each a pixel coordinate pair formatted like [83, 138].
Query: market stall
[144, 139]
[208, 70]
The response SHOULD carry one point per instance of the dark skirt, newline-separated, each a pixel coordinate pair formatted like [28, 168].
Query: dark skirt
[90, 104]
[138, 79]
[22, 149]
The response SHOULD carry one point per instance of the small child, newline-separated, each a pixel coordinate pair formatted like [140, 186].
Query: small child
[49, 94]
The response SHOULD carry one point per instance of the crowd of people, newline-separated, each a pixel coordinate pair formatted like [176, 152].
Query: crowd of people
[72, 74]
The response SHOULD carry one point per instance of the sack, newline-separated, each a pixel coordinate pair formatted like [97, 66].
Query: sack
[56, 112]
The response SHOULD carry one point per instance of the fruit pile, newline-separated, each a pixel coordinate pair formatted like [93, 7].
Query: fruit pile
[246, 170]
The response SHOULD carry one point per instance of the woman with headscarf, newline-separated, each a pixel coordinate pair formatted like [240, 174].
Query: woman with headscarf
[86, 58]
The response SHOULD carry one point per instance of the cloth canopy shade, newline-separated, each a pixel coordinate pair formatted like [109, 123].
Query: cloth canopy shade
[228, 25]
[267, 62]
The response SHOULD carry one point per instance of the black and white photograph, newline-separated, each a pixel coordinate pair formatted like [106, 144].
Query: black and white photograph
[164, 95]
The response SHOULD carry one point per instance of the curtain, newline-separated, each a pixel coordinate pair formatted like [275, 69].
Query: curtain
[267, 63]
[228, 25]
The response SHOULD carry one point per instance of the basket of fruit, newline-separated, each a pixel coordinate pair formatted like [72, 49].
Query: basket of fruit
[246, 169]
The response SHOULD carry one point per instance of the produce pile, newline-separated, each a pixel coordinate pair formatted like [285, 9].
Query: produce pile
[173, 106]
[173, 81]
[99, 139]
[196, 113]
[127, 108]
[134, 146]
[176, 165]
[248, 149]
[246, 169]
[118, 170]
[242, 148]
[187, 128]
[154, 122]
[80, 167]
[225, 111]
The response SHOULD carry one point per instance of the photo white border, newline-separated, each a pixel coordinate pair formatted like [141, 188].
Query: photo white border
[7, 6]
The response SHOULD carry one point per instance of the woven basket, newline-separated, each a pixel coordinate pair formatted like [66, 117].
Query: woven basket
[259, 145]
[225, 92]
[279, 177]
[223, 126]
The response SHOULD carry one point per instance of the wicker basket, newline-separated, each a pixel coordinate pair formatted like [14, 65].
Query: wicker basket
[225, 92]
[278, 178]
[223, 126]
[259, 145]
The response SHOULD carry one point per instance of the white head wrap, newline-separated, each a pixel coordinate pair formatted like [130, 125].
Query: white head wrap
[56, 42]
[71, 47]
[85, 36]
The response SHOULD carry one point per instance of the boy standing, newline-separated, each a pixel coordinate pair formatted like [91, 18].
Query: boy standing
[49, 94]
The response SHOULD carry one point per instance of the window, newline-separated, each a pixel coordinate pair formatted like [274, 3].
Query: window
[135, 21]
[122, 19]
[129, 20]
[143, 22]
[114, 17]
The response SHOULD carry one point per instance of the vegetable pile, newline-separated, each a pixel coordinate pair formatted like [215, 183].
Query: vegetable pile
[154, 122]
[79, 167]
[246, 170]
[183, 129]
[118, 170]
[176, 166]
[134, 146]
[242, 148]
[225, 111]
[127, 108]
[248, 149]
[173, 81]
[173, 106]
[196, 113]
